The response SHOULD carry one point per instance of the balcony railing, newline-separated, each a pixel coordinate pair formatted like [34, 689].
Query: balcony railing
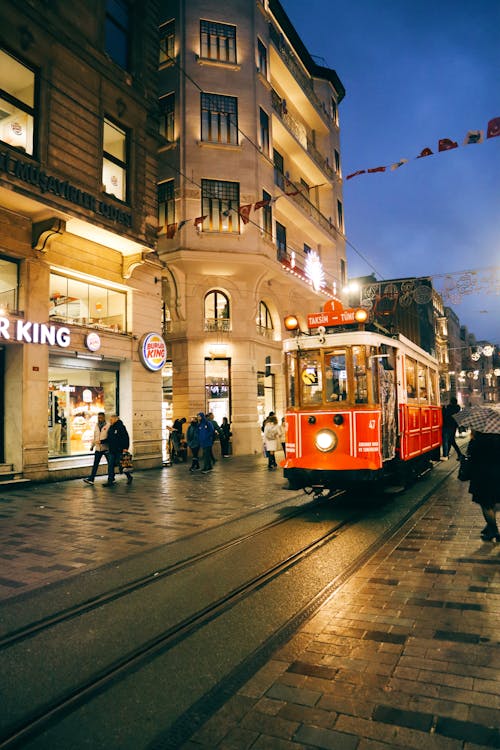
[289, 189]
[299, 131]
[267, 333]
[293, 66]
[217, 324]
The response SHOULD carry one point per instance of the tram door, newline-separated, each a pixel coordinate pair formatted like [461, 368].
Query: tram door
[387, 394]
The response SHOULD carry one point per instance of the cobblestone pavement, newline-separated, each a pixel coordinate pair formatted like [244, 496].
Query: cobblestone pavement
[50, 531]
[405, 655]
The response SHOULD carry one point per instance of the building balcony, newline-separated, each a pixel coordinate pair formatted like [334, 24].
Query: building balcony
[290, 60]
[301, 134]
[217, 325]
[301, 200]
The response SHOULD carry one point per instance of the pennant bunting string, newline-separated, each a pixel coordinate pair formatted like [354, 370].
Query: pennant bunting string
[444, 144]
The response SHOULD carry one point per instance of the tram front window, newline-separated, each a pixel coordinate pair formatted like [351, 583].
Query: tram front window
[359, 365]
[335, 376]
[310, 381]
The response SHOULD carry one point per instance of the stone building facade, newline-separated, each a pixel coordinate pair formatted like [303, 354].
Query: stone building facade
[250, 196]
[80, 282]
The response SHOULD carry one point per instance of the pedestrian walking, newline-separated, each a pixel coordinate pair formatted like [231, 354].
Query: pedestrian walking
[118, 441]
[271, 440]
[99, 445]
[216, 427]
[284, 430]
[193, 441]
[176, 441]
[484, 454]
[449, 429]
[225, 435]
[206, 434]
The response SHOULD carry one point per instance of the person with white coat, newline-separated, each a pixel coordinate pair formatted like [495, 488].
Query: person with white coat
[272, 437]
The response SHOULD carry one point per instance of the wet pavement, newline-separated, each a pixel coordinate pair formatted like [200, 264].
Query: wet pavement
[404, 654]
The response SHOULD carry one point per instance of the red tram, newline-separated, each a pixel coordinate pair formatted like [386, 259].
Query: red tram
[361, 406]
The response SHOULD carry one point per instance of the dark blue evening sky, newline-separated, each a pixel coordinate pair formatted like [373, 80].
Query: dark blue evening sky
[416, 72]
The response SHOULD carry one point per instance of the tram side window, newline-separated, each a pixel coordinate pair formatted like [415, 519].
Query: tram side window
[411, 378]
[359, 366]
[433, 390]
[422, 382]
[291, 368]
[311, 385]
[336, 376]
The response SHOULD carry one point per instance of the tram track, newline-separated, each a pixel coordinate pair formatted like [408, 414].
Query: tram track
[131, 662]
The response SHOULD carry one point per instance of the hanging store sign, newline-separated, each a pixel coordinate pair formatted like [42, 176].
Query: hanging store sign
[26, 332]
[153, 351]
[93, 342]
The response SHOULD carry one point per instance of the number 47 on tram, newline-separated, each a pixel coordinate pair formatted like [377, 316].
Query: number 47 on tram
[361, 406]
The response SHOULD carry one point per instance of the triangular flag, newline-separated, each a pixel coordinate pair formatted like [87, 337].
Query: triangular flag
[293, 192]
[376, 169]
[181, 224]
[398, 164]
[493, 128]
[171, 230]
[199, 220]
[425, 152]
[244, 212]
[355, 174]
[445, 144]
[473, 136]
[261, 204]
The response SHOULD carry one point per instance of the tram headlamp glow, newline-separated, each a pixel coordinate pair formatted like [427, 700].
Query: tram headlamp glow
[326, 441]
[360, 315]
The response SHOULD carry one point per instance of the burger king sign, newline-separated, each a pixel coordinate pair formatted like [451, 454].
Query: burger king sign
[153, 351]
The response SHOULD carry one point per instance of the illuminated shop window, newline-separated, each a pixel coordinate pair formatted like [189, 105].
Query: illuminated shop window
[9, 274]
[17, 103]
[114, 161]
[219, 203]
[218, 41]
[219, 118]
[167, 117]
[217, 315]
[218, 388]
[75, 398]
[167, 42]
[80, 303]
[117, 32]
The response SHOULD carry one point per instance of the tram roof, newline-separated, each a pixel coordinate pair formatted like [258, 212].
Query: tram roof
[356, 338]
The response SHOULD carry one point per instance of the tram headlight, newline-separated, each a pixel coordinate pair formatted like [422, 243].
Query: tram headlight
[326, 441]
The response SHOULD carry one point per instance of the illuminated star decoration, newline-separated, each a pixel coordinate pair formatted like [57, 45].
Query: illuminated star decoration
[314, 270]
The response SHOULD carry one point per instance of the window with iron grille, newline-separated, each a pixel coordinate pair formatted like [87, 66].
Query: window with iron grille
[264, 319]
[167, 41]
[219, 204]
[219, 118]
[217, 316]
[218, 41]
[166, 203]
[17, 104]
[264, 132]
[167, 117]
[117, 32]
[262, 58]
[281, 240]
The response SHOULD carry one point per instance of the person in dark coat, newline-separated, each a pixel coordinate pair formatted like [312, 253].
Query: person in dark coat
[206, 435]
[225, 435]
[484, 457]
[193, 441]
[450, 428]
[118, 441]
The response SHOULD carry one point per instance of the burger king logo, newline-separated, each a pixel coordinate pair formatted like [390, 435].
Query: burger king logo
[153, 351]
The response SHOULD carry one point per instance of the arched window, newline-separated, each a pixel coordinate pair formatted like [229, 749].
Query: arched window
[217, 316]
[264, 321]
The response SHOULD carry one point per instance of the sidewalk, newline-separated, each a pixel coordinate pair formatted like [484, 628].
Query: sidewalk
[50, 531]
[404, 655]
